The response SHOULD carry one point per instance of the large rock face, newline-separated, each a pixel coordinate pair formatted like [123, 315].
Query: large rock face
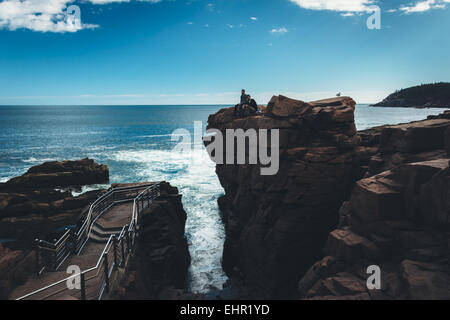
[31, 207]
[15, 267]
[388, 147]
[276, 225]
[161, 261]
[397, 218]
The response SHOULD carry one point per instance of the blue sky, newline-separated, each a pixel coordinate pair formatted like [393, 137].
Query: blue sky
[189, 52]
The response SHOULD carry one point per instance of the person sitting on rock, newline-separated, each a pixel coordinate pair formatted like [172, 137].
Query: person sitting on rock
[244, 97]
[249, 108]
[252, 104]
[238, 107]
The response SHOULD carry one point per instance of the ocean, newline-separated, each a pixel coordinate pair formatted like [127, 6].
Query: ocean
[136, 143]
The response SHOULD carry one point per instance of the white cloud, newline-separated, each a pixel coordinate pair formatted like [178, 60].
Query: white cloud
[336, 5]
[424, 5]
[253, 18]
[37, 15]
[45, 15]
[282, 30]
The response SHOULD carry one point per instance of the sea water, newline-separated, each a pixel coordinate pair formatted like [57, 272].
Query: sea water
[135, 142]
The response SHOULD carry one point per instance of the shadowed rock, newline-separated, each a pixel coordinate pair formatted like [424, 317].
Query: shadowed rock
[33, 205]
[61, 174]
[276, 225]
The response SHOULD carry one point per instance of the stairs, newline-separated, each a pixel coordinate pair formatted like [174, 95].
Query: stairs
[101, 234]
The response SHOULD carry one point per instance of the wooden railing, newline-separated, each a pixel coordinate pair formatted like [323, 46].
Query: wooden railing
[94, 282]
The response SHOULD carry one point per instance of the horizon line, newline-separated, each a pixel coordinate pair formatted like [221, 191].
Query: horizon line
[137, 105]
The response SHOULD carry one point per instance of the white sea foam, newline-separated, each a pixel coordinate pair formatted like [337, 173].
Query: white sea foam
[39, 161]
[194, 174]
[88, 188]
[155, 136]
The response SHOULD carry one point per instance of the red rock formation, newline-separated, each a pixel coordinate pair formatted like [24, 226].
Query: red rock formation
[276, 225]
[398, 219]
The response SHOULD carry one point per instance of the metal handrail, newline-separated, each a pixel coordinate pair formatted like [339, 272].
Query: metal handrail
[150, 193]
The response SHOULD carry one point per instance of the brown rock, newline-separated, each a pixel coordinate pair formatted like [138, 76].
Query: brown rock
[349, 246]
[377, 198]
[426, 281]
[276, 225]
[61, 174]
[162, 259]
[15, 267]
[284, 107]
[342, 285]
[414, 137]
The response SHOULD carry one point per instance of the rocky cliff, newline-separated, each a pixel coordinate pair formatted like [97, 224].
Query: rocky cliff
[436, 95]
[159, 267]
[397, 218]
[33, 205]
[277, 225]
[384, 191]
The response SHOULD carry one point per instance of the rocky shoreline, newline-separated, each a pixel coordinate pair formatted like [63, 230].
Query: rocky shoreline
[40, 202]
[342, 198]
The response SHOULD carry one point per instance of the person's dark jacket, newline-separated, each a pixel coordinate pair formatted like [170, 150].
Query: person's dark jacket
[252, 103]
[244, 98]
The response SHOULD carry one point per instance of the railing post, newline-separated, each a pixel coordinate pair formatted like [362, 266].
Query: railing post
[105, 265]
[82, 286]
[122, 263]
[36, 244]
[55, 259]
[135, 233]
[115, 252]
[128, 239]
